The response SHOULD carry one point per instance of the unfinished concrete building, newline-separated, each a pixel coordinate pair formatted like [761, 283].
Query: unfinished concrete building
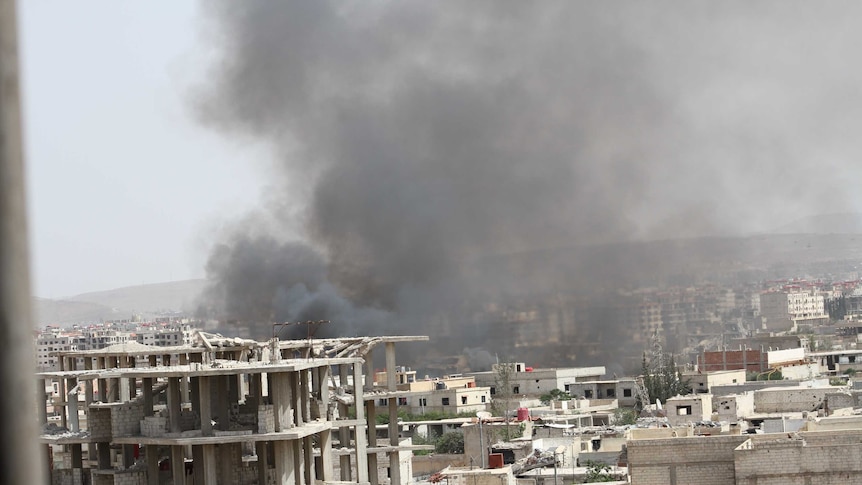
[225, 411]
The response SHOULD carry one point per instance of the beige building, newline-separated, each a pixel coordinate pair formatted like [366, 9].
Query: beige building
[703, 382]
[230, 411]
[689, 409]
[525, 380]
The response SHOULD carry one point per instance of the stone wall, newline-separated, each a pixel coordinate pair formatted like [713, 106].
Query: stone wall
[796, 461]
[790, 400]
[99, 423]
[154, 426]
[126, 419]
[682, 461]
[429, 464]
[265, 419]
[68, 476]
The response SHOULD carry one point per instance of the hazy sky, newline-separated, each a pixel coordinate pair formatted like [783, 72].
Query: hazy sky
[124, 187]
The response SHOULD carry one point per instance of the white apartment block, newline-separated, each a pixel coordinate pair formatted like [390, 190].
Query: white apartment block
[781, 310]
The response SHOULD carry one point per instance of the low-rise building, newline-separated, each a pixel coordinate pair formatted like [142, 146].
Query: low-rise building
[623, 390]
[692, 408]
[703, 382]
[525, 380]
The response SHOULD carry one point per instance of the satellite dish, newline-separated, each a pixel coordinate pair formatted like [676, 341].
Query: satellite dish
[483, 414]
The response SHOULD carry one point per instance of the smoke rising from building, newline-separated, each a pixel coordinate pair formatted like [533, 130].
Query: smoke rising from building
[415, 142]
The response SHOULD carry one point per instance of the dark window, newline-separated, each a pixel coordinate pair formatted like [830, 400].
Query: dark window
[516, 390]
[483, 398]
[463, 399]
[627, 393]
[402, 401]
[588, 393]
[493, 391]
[445, 401]
[611, 392]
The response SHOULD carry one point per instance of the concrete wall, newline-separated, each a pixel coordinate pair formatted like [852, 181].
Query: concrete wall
[683, 461]
[699, 404]
[801, 371]
[796, 462]
[126, 419]
[790, 400]
[68, 476]
[99, 423]
[750, 386]
[430, 464]
[733, 407]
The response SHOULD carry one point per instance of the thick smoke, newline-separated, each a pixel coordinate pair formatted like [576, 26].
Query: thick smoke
[419, 141]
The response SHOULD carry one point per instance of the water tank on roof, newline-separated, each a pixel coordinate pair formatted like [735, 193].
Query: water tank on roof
[441, 386]
[529, 369]
[523, 414]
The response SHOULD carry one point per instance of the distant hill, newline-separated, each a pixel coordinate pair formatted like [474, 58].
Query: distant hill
[61, 312]
[119, 303]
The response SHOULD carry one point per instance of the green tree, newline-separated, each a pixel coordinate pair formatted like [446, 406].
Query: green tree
[451, 443]
[624, 416]
[598, 472]
[661, 378]
[555, 395]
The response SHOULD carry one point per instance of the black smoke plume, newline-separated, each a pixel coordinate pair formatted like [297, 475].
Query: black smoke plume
[419, 145]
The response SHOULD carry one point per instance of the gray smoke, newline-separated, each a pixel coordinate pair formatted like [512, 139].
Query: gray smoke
[418, 141]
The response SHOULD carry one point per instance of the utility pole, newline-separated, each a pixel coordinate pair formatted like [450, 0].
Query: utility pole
[19, 453]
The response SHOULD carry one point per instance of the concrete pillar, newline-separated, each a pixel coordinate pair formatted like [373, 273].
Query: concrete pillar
[255, 390]
[104, 461]
[205, 404]
[263, 461]
[147, 395]
[227, 461]
[88, 385]
[305, 395]
[152, 452]
[209, 470]
[174, 407]
[184, 381]
[101, 363]
[326, 472]
[359, 431]
[114, 383]
[198, 465]
[372, 442]
[41, 403]
[325, 373]
[369, 373]
[222, 402]
[308, 458]
[285, 469]
[77, 456]
[178, 463]
[298, 462]
[344, 431]
[391, 378]
[195, 394]
[72, 406]
[281, 400]
[394, 462]
[297, 398]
